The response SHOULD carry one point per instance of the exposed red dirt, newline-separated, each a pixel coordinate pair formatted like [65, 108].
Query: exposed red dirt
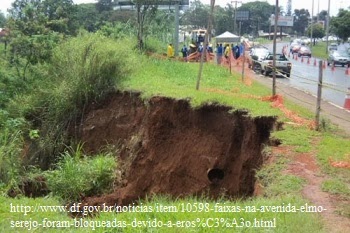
[304, 165]
[168, 148]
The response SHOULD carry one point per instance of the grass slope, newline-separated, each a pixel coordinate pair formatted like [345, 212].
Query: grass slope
[177, 79]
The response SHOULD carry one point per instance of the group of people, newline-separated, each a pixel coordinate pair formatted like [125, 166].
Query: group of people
[187, 51]
[225, 51]
[221, 51]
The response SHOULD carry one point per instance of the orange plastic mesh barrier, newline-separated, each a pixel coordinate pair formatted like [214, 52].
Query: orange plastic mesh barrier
[277, 102]
[339, 164]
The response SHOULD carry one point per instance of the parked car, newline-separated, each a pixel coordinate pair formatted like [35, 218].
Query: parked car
[332, 47]
[283, 65]
[304, 51]
[257, 54]
[338, 58]
[294, 47]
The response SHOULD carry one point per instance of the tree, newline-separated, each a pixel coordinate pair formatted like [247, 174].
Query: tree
[196, 15]
[317, 31]
[341, 24]
[104, 5]
[2, 20]
[323, 15]
[60, 15]
[260, 13]
[35, 27]
[301, 20]
[145, 12]
[87, 17]
[223, 19]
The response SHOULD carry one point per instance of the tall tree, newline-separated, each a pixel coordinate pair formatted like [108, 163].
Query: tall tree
[317, 31]
[301, 21]
[341, 24]
[223, 19]
[196, 15]
[260, 12]
[145, 12]
[2, 20]
[35, 28]
[104, 5]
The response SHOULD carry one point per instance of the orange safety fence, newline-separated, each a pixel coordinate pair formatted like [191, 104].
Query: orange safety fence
[278, 102]
[339, 164]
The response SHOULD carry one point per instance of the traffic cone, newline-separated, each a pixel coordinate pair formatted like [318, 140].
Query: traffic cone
[308, 60]
[347, 71]
[347, 100]
[302, 59]
[315, 63]
[296, 57]
[333, 67]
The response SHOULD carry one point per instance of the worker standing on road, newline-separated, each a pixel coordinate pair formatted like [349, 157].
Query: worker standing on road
[170, 51]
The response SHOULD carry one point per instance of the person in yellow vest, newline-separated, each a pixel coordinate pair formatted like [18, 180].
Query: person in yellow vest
[170, 51]
[227, 51]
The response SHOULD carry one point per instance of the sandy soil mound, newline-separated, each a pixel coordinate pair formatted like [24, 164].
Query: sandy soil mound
[170, 148]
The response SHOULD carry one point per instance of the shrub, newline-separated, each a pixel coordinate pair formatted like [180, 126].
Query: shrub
[82, 70]
[10, 151]
[77, 175]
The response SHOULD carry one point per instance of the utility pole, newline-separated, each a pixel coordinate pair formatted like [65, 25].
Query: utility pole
[235, 16]
[318, 11]
[176, 36]
[327, 26]
[274, 52]
[312, 24]
[206, 43]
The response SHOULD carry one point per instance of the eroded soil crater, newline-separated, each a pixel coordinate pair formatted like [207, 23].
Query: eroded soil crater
[166, 147]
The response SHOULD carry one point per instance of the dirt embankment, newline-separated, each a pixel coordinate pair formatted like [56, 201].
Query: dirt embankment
[167, 147]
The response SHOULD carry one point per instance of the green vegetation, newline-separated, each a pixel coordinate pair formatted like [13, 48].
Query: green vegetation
[296, 136]
[336, 187]
[178, 80]
[51, 71]
[319, 50]
[76, 175]
[285, 222]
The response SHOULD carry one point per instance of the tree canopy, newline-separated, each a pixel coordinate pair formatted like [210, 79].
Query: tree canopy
[341, 24]
[301, 20]
[2, 20]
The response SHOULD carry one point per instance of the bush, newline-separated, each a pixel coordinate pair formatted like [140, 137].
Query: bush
[77, 176]
[10, 151]
[82, 70]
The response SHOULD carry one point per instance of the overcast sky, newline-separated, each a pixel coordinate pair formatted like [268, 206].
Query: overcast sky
[296, 4]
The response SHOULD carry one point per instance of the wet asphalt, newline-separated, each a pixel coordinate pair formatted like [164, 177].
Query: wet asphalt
[305, 75]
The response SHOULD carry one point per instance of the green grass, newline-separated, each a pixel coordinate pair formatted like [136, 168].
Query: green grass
[335, 186]
[77, 175]
[319, 50]
[178, 80]
[297, 136]
[334, 148]
[194, 213]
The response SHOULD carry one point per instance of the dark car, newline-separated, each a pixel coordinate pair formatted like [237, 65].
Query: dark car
[338, 58]
[304, 51]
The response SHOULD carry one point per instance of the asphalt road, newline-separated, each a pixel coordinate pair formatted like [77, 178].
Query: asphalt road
[297, 90]
[304, 76]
